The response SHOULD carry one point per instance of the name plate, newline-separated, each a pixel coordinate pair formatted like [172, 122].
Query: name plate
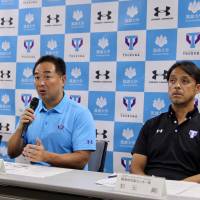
[141, 185]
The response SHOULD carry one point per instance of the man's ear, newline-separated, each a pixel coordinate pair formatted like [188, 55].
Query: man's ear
[198, 88]
[64, 78]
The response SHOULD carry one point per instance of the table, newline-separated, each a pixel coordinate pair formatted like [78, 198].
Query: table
[73, 184]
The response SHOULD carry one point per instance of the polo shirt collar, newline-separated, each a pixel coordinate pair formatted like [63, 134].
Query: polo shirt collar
[58, 108]
[189, 115]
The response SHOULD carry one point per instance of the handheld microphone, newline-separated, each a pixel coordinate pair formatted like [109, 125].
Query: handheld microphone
[33, 105]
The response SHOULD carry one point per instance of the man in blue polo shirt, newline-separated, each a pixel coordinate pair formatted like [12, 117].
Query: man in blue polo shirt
[61, 132]
[169, 144]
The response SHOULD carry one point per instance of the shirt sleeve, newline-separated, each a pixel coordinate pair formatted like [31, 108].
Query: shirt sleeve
[140, 146]
[84, 132]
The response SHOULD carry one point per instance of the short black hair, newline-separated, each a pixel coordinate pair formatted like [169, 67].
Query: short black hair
[59, 63]
[188, 67]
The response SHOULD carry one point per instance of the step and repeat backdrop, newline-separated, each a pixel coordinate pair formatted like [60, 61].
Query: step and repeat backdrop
[117, 55]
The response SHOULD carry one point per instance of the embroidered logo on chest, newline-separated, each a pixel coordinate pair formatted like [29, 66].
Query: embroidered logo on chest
[60, 126]
[193, 133]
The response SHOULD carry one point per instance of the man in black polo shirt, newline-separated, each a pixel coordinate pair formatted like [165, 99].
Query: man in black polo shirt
[169, 144]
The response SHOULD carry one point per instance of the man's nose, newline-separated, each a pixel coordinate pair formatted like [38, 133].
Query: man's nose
[41, 81]
[177, 84]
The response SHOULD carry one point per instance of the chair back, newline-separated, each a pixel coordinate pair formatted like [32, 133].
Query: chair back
[97, 159]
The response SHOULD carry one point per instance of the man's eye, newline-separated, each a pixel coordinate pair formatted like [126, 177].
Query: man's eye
[37, 77]
[185, 81]
[172, 80]
[47, 77]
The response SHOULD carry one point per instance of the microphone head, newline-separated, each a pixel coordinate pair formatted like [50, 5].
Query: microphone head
[34, 103]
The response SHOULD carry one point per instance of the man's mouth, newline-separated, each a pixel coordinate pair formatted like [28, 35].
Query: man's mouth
[177, 94]
[42, 92]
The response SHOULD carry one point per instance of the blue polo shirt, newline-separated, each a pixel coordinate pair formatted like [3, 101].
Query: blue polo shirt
[66, 128]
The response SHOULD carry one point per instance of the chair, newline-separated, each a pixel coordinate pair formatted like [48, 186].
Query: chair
[97, 158]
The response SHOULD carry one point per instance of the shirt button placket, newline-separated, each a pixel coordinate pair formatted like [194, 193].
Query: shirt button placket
[176, 129]
[46, 120]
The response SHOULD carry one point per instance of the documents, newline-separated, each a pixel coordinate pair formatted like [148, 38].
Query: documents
[32, 170]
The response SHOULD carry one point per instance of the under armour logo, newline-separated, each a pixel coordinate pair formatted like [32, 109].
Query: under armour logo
[4, 21]
[108, 15]
[156, 74]
[56, 18]
[102, 134]
[106, 74]
[89, 141]
[193, 133]
[158, 11]
[4, 127]
[3, 74]
[159, 131]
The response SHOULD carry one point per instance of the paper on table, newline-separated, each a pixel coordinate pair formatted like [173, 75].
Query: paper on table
[32, 170]
[110, 181]
[177, 187]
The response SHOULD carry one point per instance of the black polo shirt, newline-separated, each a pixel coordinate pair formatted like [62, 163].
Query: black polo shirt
[173, 150]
